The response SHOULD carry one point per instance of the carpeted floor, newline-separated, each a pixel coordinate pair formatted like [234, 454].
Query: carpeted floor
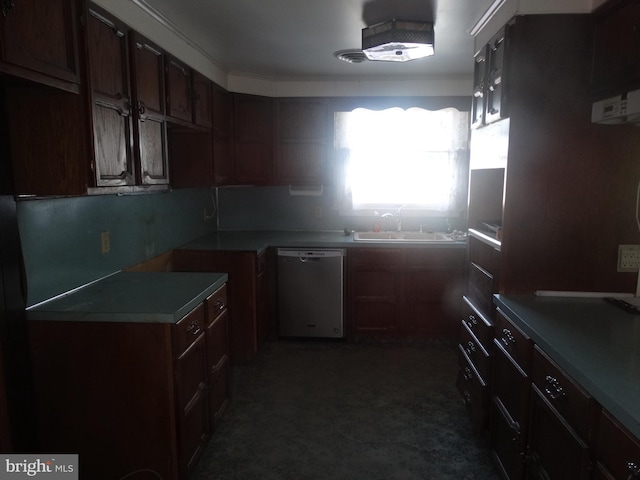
[341, 411]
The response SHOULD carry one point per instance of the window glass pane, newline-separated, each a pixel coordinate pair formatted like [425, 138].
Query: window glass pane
[403, 157]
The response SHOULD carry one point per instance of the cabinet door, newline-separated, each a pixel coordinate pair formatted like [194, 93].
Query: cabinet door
[479, 88]
[41, 37]
[193, 420]
[179, 95]
[222, 136]
[496, 106]
[507, 442]
[555, 450]
[150, 135]
[111, 99]
[474, 391]
[433, 289]
[302, 142]
[617, 49]
[617, 450]
[375, 291]
[202, 102]
[253, 129]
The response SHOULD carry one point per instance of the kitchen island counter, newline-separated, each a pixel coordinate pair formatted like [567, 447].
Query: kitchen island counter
[596, 343]
[162, 297]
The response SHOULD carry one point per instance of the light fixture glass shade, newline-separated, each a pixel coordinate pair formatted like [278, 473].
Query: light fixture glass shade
[398, 40]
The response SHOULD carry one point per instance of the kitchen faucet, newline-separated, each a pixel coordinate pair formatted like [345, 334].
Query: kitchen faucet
[398, 218]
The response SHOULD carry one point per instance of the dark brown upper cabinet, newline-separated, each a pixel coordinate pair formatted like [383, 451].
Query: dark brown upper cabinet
[128, 103]
[179, 92]
[39, 41]
[496, 106]
[616, 55]
[222, 114]
[479, 87]
[302, 127]
[202, 99]
[188, 94]
[489, 101]
[253, 131]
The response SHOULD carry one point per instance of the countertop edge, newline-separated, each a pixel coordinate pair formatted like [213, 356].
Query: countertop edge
[606, 399]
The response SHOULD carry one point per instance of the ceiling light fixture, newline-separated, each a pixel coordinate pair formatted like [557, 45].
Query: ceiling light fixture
[398, 40]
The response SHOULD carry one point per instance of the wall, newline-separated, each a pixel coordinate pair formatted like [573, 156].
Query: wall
[273, 208]
[61, 238]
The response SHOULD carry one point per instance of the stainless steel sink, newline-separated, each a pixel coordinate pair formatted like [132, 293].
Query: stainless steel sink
[401, 237]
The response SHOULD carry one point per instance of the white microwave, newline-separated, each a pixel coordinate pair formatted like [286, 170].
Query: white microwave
[622, 108]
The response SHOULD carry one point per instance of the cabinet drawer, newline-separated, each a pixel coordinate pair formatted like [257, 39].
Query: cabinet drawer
[219, 392]
[187, 330]
[475, 351]
[216, 303]
[617, 449]
[474, 391]
[481, 289]
[511, 385]
[191, 374]
[567, 397]
[555, 449]
[217, 340]
[477, 323]
[514, 341]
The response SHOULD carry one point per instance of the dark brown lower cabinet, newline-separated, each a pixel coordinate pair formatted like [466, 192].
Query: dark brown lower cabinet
[404, 291]
[248, 293]
[132, 396]
[617, 451]
[510, 409]
[474, 390]
[507, 443]
[555, 449]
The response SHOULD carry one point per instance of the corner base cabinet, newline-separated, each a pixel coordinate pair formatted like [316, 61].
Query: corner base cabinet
[132, 396]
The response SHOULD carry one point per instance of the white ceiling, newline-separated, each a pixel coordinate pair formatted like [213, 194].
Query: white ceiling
[296, 39]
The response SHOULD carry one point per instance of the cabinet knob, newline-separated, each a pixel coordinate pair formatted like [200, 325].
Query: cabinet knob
[634, 470]
[472, 320]
[466, 398]
[468, 375]
[193, 328]
[471, 347]
[553, 390]
[508, 337]
[219, 305]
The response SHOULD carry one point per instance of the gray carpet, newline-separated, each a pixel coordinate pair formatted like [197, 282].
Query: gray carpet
[335, 410]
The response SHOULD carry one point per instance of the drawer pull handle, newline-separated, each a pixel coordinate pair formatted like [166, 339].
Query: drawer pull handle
[219, 304]
[634, 470]
[471, 348]
[508, 337]
[193, 328]
[554, 390]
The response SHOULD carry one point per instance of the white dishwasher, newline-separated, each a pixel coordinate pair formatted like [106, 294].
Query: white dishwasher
[311, 292]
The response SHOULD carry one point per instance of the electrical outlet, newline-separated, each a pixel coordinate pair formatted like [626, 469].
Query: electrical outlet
[104, 242]
[628, 258]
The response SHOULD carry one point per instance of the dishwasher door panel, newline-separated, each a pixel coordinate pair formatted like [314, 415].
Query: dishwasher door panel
[311, 293]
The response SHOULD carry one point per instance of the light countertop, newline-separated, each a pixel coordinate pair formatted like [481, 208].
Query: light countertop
[162, 297]
[596, 343]
[260, 240]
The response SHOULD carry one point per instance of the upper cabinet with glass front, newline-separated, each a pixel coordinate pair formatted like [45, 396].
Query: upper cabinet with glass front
[489, 102]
